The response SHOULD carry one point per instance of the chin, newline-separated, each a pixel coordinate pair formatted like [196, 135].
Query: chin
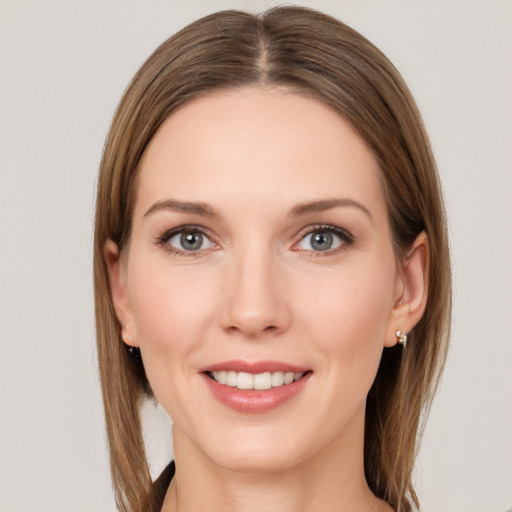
[251, 453]
[262, 462]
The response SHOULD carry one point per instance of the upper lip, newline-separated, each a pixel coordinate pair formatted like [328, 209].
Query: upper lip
[253, 367]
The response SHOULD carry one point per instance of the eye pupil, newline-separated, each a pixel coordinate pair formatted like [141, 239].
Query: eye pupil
[191, 241]
[321, 241]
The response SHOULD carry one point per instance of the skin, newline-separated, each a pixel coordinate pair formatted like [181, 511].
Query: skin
[257, 290]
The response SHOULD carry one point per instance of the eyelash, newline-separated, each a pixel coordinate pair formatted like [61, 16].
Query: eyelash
[346, 239]
[181, 230]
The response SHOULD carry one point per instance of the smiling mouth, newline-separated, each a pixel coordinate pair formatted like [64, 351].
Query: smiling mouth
[258, 381]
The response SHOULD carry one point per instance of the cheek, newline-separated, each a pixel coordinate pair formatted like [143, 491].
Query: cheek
[172, 310]
[172, 306]
[348, 314]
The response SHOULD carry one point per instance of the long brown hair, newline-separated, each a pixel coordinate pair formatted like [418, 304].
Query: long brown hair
[318, 56]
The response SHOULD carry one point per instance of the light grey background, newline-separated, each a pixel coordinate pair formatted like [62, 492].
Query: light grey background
[63, 67]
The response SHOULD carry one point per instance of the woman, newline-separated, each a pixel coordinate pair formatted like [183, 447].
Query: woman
[271, 264]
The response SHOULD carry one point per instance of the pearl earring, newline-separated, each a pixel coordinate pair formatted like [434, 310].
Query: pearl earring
[401, 337]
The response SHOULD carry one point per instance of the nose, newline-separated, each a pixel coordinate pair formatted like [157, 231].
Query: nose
[255, 297]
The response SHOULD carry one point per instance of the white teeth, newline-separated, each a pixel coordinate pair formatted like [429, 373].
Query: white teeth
[259, 381]
[277, 379]
[220, 376]
[263, 381]
[231, 378]
[245, 381]
[288, 377]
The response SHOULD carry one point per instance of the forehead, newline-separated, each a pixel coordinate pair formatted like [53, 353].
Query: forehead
[255, 143]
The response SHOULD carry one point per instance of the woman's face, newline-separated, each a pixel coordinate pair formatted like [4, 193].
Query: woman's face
[260, 253]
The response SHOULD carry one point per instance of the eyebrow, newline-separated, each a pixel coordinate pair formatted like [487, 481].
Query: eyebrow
[327, 204]
[182, 206]
[206, 210]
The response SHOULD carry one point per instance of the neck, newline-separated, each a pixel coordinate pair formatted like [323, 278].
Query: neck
[332, 481]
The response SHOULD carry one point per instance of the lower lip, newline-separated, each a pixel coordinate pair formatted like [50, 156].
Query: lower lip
[253, 400]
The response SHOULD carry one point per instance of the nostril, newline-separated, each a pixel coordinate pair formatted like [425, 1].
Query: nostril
[253, 331]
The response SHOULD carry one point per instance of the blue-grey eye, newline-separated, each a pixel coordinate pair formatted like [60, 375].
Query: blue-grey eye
[321, 240]
[190, 241]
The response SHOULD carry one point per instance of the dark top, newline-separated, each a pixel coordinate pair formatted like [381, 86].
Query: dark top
[161, 484]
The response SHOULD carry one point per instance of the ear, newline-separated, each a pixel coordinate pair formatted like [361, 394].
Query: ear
[119, 292]
[411, 290]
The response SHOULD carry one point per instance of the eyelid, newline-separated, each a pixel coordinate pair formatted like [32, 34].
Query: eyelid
[346, 237]
[190, 228]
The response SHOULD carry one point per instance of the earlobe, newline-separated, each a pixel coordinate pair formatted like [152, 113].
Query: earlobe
[119, 293]
[412, 291]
